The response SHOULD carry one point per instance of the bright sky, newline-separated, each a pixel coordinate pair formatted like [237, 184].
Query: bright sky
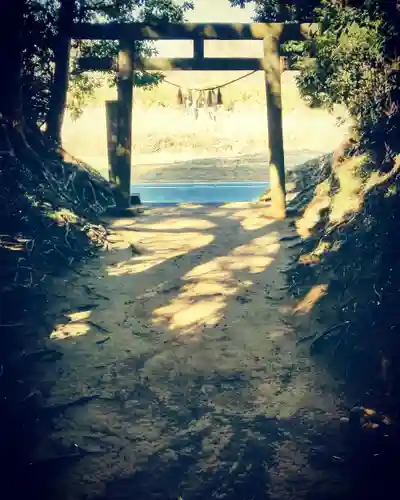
[217, 11]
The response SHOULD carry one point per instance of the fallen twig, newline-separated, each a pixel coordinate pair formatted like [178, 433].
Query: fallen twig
[346, 303]
[285, 322]
[95, 294]
[102, 341]
[377, 294]
[317, 336]
[273, 299]
[98, 326]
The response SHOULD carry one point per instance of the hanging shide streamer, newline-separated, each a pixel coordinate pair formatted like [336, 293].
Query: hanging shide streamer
[211, 97]
[219, 97]
[180, 97]
[201, 100]
[200, 97]
[189, 95]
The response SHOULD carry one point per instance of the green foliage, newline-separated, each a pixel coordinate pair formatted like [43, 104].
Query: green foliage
[37, 70]
[349, 66]
[350, 62]
[41, 30]
[276, 10]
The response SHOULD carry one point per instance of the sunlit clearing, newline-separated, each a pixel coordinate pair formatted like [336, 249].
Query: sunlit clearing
[306, 304]
[75, 327]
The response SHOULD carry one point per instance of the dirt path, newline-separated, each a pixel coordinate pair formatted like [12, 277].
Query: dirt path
[201, 391]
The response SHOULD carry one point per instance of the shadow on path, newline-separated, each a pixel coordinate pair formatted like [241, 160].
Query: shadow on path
[199, 389]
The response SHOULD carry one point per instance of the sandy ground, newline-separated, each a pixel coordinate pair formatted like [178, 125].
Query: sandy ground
[180, 332]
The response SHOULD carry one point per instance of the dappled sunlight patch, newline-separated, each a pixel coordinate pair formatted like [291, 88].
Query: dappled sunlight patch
[63, 216]
[174, 224]
[212, 269]
[376, 178]
[253, 257]
[200, 304]
[135, 265]
[314, 257]
[251, 220]
[306, 304]
[159, 247]
[76, 326]
[312, 215]
[309, 259]
[209, 287]
[202, 301]
[249, 263]
[313, 212]
[341, 195]
[173, 241]
[189, 316]
[350, 196]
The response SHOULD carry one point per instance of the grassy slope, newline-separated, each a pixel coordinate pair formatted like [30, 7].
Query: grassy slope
[50, 222]
[346, 279]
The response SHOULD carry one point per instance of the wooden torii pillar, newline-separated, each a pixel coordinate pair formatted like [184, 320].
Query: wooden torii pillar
[273, 36]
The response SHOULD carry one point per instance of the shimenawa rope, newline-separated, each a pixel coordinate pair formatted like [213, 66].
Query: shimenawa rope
[164, 80]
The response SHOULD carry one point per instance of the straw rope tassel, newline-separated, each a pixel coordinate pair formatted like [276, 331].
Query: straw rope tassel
[219, 97]
[180, 97]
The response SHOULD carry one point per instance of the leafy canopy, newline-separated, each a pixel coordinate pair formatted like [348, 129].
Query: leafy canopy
[41, 20]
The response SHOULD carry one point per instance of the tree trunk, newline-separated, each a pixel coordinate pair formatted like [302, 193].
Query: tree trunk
[11, 44]
[62, 49]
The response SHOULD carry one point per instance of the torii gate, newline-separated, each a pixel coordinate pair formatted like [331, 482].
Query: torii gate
[273, 36]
